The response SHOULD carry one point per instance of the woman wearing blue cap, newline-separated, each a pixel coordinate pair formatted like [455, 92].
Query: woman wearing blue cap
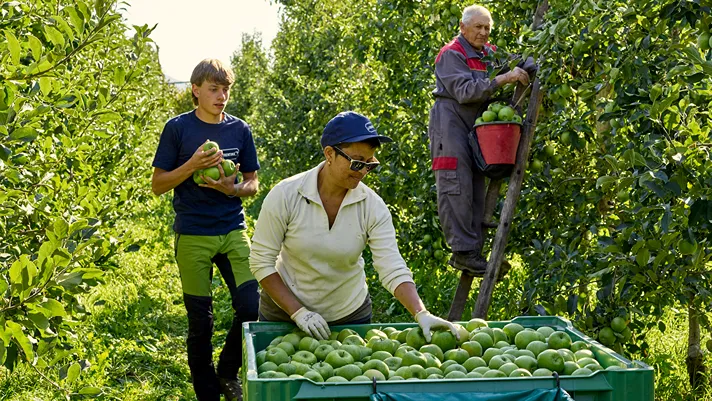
[311, 233]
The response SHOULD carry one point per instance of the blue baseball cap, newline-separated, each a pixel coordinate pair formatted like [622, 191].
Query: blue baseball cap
[349, 126]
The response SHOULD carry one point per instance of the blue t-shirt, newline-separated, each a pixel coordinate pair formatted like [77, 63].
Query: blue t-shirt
[205, 211]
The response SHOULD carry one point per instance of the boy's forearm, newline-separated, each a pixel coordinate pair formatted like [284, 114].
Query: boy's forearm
[164, 181]
[247, 188]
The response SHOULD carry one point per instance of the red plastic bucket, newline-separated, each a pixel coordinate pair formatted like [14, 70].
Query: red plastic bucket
[498, 143]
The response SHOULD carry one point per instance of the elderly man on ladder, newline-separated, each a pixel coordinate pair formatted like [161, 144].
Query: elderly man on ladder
[463, 89]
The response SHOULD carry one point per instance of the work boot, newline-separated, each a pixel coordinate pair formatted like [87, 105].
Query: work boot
[231, 389]
[470, 261]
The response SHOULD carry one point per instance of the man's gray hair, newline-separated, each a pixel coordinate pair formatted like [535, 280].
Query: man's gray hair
[475, 11]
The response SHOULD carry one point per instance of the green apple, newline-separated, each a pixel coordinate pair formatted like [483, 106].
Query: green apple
[511, 330]
[276, 340]
[374, 373]
[211, 172]
[261, 357]
[345, 333]
[414, 358]
[339, 358]
[384, 344]
[403, 371]
[361, 378]
[395, 378]
[352, 349]
[394, 334]
[415, 371]
[267, 367]
[415, 338]
[474, 362]
[402, 350]
[495, 107]
[607, 337]
[537, 347]
[313, 375]
[403, 335]
[296, 376]
[524, 337]
[627, 334]
[458, 355]
[304, 357]
[497, 361]
[359, 364]
[473, 375]
[462, 332]
[502, 345]
[508, 368]
[381, 355]
[585, 361]
[494, 373]
[550, 359]
[526, 362]
[228, 167]
[566, 354]
[453, 368]
[377, 365]
[475, 324]
[479, 121]
[336, 379]
[334, 335]
[500, 335]
[301, 368]
[287, 347]
[618, 324]
[581, 372]
[324, 369]
[525, 352]
[322, 351]
[277, 355]
[542, 372]
[520, 373]
[393, 362]
[578, 345]
[484, 339]
[433, 349]
[209, 146]
[353, 339]
[570, 367]
[446, 364]
[388, 330]
[365, 352]
[292, 338]
[434, 376]
[593, 367]
[583, 353]
[546, 331]
[272, 375]
[287, 368]
[432, 361]
[481, 370]
[456, 375]
[472, 347]
[433, 371]
[505, 114]
[308, 344]
[348, 372]
[489, 116]
[491, 352]
[335, 343]
[375, 333]
[509, 357]
[559, 340]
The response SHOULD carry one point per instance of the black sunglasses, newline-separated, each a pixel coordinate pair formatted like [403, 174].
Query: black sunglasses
[357, 165]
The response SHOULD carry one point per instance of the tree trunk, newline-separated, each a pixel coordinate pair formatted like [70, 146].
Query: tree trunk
[695, 358]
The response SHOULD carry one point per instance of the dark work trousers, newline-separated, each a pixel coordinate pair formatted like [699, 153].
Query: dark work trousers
[245, 301]
[460, 185]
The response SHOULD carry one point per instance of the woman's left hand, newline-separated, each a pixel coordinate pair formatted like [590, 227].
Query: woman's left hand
[428, 321]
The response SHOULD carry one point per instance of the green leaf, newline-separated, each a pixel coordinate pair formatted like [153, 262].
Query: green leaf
[119, 76]
[54, 36]
[21, 339]
[90, 391]
[73, 372]
[3, 353]
[64, 26]
[13, 45]
[604, 181]
[54, 306]
[46, 85]
[75, 18]
[40, 320]
[642, 257]
[61, 228]
[16, 273]
[35, 47]
[79, 224]
[26, 134]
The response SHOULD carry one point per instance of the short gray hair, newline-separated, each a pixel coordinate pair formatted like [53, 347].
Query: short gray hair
[475, 11]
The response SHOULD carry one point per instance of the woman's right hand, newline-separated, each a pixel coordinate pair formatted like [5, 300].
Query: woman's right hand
[201, 159]
[311, 323]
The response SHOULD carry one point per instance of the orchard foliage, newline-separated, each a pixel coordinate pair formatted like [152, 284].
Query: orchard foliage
[79, 95]
[615, 215]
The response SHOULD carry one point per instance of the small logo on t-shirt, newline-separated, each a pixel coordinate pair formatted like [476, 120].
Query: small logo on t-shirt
[231, 153]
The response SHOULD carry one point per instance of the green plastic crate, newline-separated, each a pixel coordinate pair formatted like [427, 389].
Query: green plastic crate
[633, 384]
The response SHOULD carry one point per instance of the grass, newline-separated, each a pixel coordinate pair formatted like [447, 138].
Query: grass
[134, 338]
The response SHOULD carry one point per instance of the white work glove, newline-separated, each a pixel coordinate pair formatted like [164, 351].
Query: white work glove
[428, 321]
[311, 323]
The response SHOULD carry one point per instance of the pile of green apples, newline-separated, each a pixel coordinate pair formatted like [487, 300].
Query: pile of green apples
[391, 354]
[228, 166]
[497, 112]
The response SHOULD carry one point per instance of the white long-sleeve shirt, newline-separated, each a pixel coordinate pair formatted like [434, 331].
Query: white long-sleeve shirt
[324, 267]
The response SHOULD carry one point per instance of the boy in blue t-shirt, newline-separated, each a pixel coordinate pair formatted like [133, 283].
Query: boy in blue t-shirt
[210, 223]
